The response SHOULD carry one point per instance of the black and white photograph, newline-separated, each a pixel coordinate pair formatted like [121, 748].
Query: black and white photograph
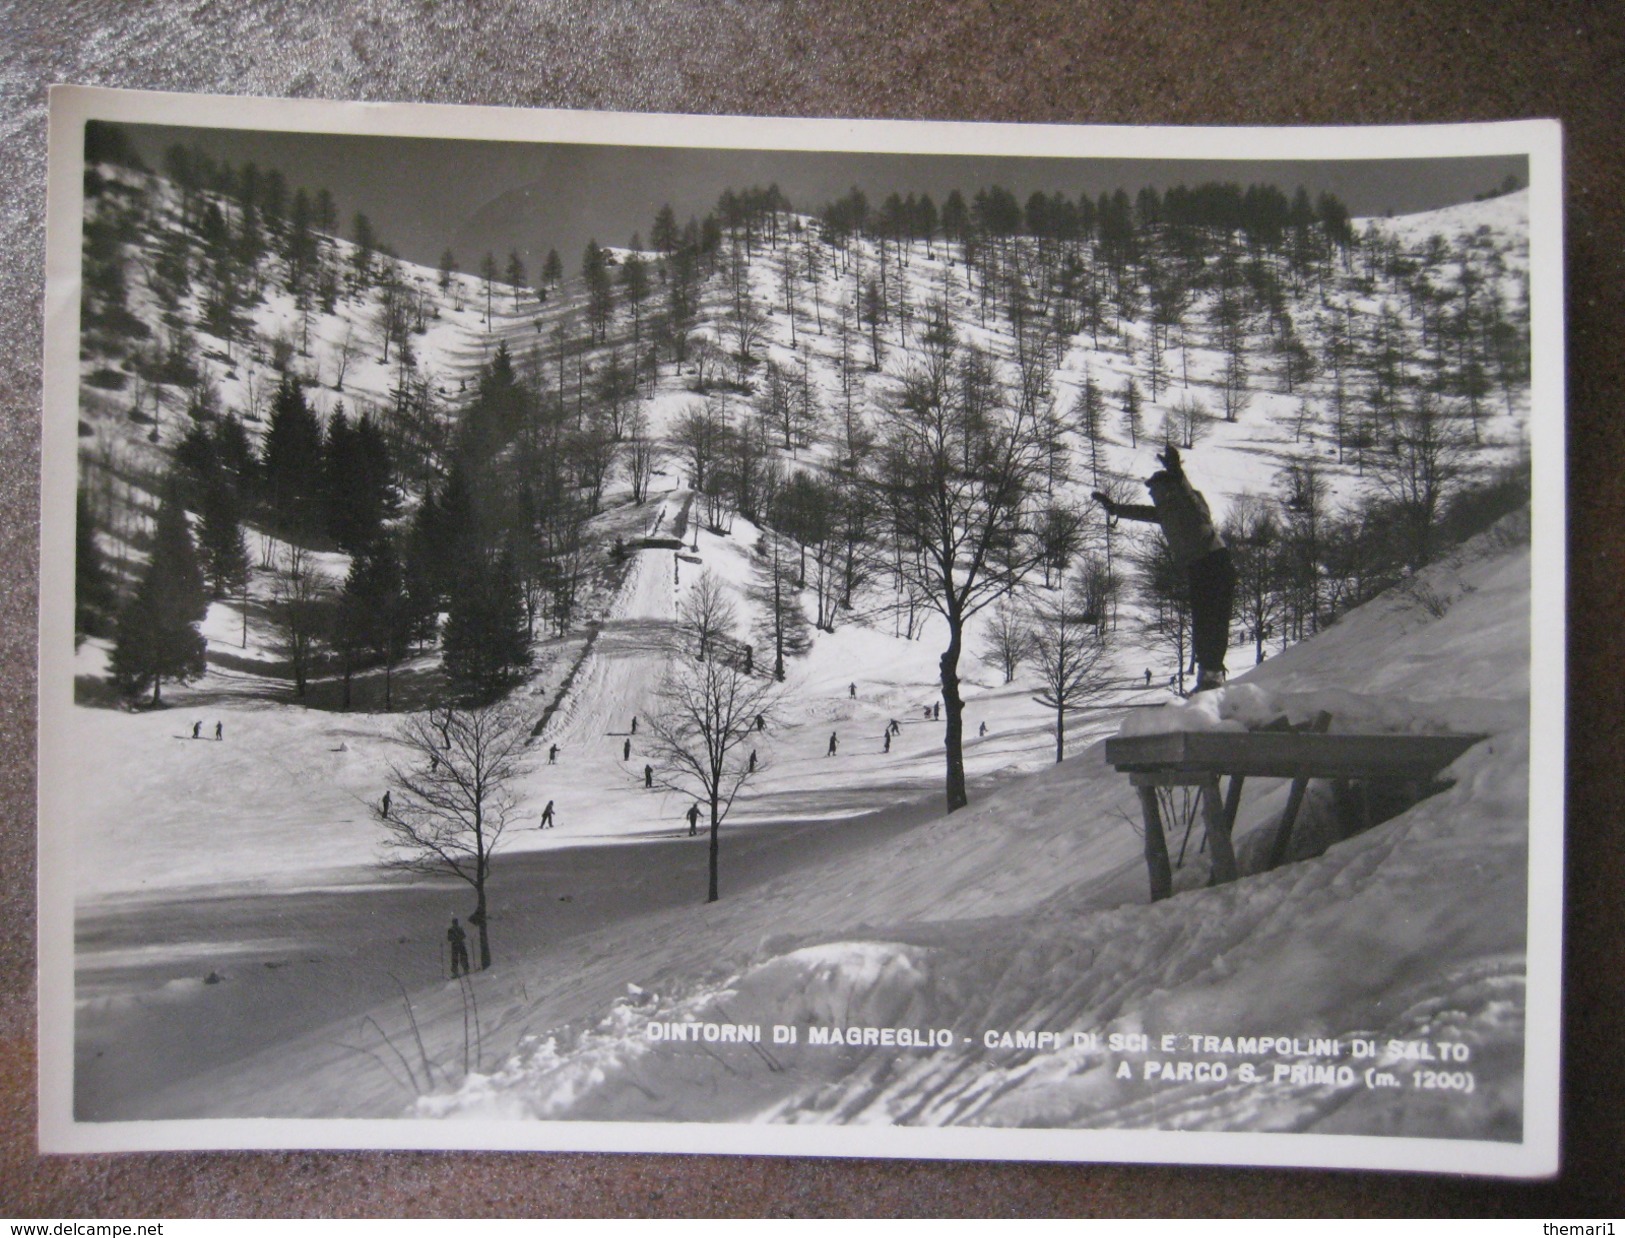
[664, 633]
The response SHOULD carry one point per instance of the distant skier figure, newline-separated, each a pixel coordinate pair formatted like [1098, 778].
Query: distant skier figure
[219, 731]
[752, 768]
[886, 747]
[459, 948]
[894, 728]
[547, 817]
[928, 713]
[553, 755]
[648, 777]
[852, 690]
[1210, 577]
[936, 710]
[750, 660]
[383, 805]
[983, 731]
[634, 724]
[626, 751]
[434, 762]
[197, 730]
[831, 751]
[761, 722]
[1148, 676]
[693, 819]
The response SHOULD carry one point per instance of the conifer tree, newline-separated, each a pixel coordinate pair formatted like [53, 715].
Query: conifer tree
[485, 645]
[158, 636]
[488, 275]
[293, 461]
[515, 275]
[222, 546]
[373, 614]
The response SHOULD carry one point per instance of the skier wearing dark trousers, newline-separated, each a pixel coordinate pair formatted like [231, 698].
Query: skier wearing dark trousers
[831, 751]
[693, 819]
[887, 746]
[553, 755]
[383, 805]
[895, 728]
[852, 690]
[761, 722]
[626, 751]
[219, 731]
[459, 948]
[752, 761]
[648, 777]
[547, 817]
[1187, 523]
[197, 730]
[634, 726]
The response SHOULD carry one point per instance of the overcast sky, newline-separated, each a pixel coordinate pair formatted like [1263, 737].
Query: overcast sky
[423, 195]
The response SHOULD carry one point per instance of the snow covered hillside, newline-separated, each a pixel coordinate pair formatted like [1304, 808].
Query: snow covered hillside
[1024, 913]
[588, 455]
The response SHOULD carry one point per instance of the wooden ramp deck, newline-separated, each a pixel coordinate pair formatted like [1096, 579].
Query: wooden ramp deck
[1200, 758]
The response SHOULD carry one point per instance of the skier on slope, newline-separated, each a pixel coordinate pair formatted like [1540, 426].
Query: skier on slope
[626, 751]
[547, 817]
[694, 818]
[1187, 523]
[459, 948]
[831, 751]
[648, 777]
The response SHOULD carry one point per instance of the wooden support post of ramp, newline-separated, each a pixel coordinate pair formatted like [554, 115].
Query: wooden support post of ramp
[1294, 800]
[1219, 817]
[1156, 846]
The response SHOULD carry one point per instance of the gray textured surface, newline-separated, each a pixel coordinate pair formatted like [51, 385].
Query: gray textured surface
[1183, 62]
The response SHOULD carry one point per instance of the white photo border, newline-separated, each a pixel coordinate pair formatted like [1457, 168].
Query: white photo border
[1540, 140]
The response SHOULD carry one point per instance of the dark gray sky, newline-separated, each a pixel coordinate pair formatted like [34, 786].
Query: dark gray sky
[424, 194]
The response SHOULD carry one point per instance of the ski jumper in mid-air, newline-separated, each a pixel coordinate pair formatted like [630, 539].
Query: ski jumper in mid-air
[1187, 523]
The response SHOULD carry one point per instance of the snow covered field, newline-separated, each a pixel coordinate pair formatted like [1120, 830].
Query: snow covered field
[1024, 912]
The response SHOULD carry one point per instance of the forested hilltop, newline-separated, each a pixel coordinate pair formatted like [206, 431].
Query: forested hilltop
[906, 403]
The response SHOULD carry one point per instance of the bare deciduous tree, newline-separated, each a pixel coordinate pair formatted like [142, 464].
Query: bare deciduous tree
[642, 455]
[707, 617]
[297, 600]
[703, 731]
[1067, 652]
[451, 797]
[1007, 642]
[959, 472]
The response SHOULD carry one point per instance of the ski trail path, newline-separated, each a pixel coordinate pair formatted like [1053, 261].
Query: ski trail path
[595, 786]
